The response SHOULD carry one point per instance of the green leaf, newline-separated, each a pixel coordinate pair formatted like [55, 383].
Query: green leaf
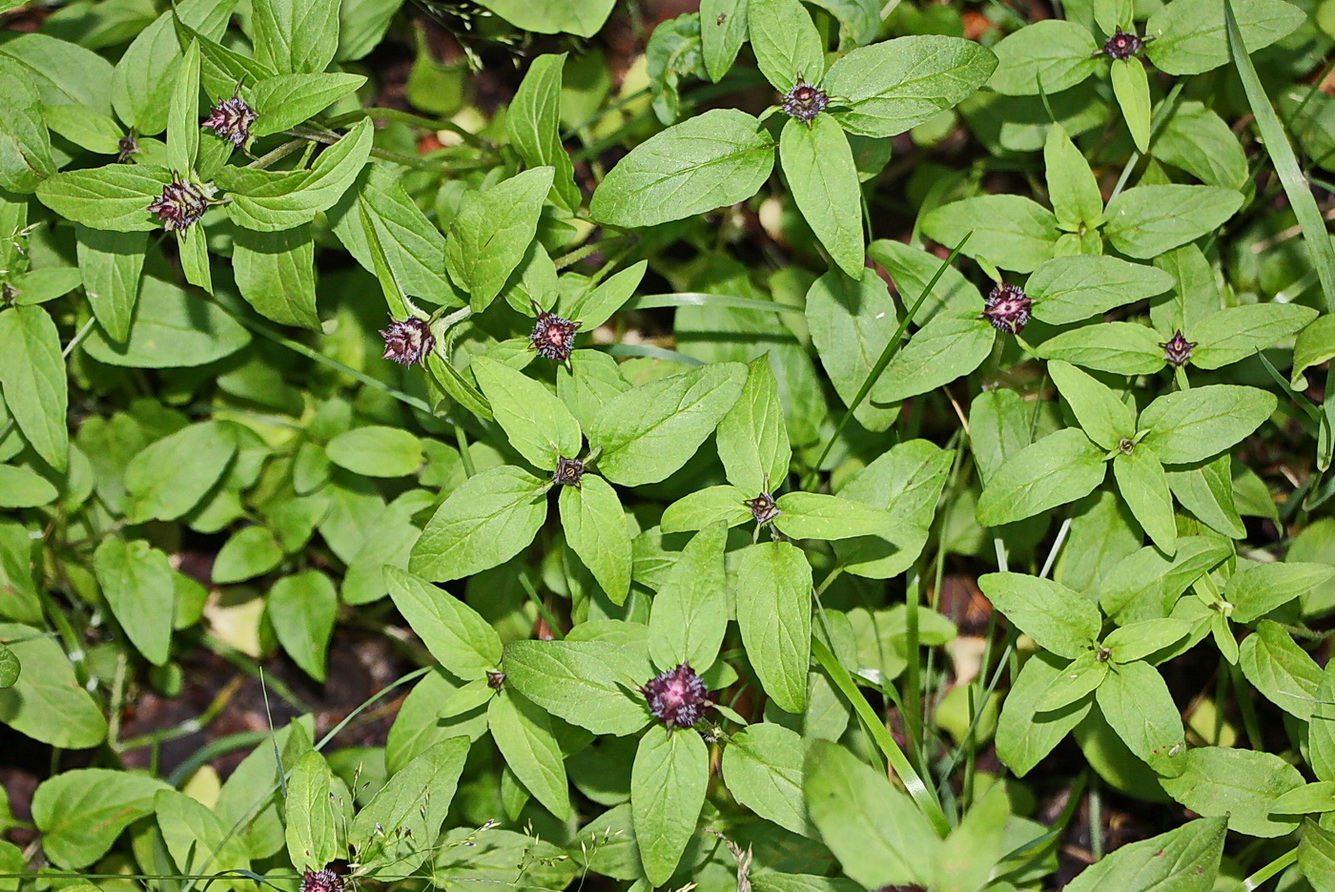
[894, 85]
[1148, 220]
[598, 305]
[536, 423]
[948, 347]
[1146, 583]
[1144, 487]
[1257, 589]
[1199, 141]
[1313, 798]
[377, 451]
[110, 264]
[1059, 619]
[81, 812]
[705, 507]
[1059, 468]
[1131, 86]
[88, 129]
[396, 831]
[312, 838]
[290, 99]
[1073, 683]
[192, 249]
[25, 144]
[788, 48]
[1136, 641]
[1316, 856]
[9, 667]
[774, 616]
[1206, 490]
[523, 734]
[24, 488]
[453, 632]
[587, 683]
[171, 328]
[1190, 35]
[690, 612]
[1071, 289]
[250, 552]
[114, 197]
[651, 430]
[891, 843]
[270, 201]
[717, 158]
[1024, 735]
[492, 231]
[183, 113]
[1193, 425]
[47, 703]
[812, 515]
[486, 521]
[1009, 231]
[1238, 332]
[667, 791]
[198, 841]
[142, 83]
[302, 608]
[275, 272]
[1124, 348]
[595, 527]
[850, 322]
[753, 438]
[723, 29]
[1237, 784]
[1182, 860]
[32, 376]
[171, 476]
[533, 124]
[136, 579]
[1281, 670]
[818, 165]
[1072, 188]
[1103, 416]
[1136, 703]
[583, 18]
[295, 36]
[1045, 57]
[762, 765]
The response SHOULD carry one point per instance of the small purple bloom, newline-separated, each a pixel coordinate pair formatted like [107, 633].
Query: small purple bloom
[1007, 308]
[804, 101]
[569, 471]
[181, 204]
[763, 508]
[495, 679]
[1123, 45]
[553, 337]
[321, 881]
[408, 341]
[126, 146]
[1177, 349]
[677, 697]
[231, 120]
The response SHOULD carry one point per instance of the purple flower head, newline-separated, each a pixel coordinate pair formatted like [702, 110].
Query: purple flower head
[804, 101]
[495, 679]
[763, 508]
[553, 337]
[568, 472]
[181, 204]
[1123, 45]
[677, 697]
[408, 340]
[1177, 349]
[321, 881]
[231, 120]
[126, 146]
[1007, 308]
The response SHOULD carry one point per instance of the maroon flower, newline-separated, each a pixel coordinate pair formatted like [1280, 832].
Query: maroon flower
[408, 341]
[321, 881]
[553, 337]
[495, 679]
[1007, 308]
[180, 205]
[568, 472]
[763, 508]
[126, 146]
[804, 101]
[677, 697]
[231, 120]
[1177, 349]
[1123, 45]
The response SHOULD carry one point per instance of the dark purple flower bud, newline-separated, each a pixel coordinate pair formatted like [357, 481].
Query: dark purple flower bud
[763, 508]
[804, 101]
[495, 679]
[181, 204]
[568, 472]
[126, 146]
[1007, 308]
[1177, 349]
[677, 697]
[553, 337]
[1123, 45]
[321, 881]
[408, 341]
[231, 120]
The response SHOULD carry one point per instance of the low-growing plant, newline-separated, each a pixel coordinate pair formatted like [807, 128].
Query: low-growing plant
[942, 507]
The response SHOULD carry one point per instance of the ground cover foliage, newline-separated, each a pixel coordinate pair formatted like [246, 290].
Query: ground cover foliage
[762, 445]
